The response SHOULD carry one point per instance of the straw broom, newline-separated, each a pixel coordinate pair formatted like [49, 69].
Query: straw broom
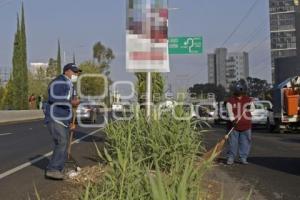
[219, 147]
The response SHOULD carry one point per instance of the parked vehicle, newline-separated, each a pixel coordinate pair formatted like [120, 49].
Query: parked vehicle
[221, 114]
[116, 107]
[284, 116]
[87, 111]
[260, 114]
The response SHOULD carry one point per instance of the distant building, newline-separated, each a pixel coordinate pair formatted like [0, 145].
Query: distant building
[224, 67]
[34, 67]
[217, 67]
[237, 67]
[285, 31]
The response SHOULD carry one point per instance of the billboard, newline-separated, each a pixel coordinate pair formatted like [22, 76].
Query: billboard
[147, 36]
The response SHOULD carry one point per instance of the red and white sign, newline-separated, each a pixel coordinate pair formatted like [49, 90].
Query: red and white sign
[147, 36]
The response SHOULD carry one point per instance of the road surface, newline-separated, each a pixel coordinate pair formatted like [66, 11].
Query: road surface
[23, 143]
[274, 168]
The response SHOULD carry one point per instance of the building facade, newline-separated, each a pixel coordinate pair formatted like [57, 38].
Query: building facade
[285, 30]
[286, 68]
[34, 67]
[217, 67]
[237, 67]
[225, 68]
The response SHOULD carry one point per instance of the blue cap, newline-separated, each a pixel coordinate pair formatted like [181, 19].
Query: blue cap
[240, 87]
[72, 67]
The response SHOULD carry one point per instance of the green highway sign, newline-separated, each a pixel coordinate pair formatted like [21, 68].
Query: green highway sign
[185, 45]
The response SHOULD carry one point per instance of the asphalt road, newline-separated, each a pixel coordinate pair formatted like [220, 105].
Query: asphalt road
[23, 142]
[274, 168]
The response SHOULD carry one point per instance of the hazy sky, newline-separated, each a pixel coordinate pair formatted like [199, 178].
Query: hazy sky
[80, 23]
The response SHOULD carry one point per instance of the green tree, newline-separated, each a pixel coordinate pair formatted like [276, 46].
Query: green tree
[158, 84]
[58, 60]
[257, 88]
[19, 81]
[2, 90]
[201, 91]
[38, 83]
[104, 56]
[74, 58]
[51, 71]
[16, 80]
[91, 86]
[8, 96]
[23, 63]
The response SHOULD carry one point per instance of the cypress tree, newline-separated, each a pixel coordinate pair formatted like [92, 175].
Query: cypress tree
[19, 81]
[16, 73]
[74, 58]
[23, 62]
[58, 59]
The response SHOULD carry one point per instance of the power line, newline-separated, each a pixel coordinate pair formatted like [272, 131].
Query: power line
[241, 22]
[253, 35]
[259, 64]
[260, 43]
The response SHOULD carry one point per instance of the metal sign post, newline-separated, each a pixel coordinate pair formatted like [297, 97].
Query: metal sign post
[149, 94]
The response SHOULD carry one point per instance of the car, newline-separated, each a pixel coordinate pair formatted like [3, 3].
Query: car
[260, 114]
[198, 112]
[87, 111]
[221, 113]
[117, 107]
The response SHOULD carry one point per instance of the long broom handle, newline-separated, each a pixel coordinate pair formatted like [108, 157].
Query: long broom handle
[71, 133]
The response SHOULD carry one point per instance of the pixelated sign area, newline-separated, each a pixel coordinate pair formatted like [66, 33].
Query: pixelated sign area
[147, 36]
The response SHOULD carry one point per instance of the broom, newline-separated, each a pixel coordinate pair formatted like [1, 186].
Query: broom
[71, 133]
[219, 147]
[71, 160]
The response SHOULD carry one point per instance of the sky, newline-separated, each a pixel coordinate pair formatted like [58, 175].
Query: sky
[81, 23]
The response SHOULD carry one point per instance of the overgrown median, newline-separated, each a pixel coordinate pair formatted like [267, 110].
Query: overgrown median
[150, 160]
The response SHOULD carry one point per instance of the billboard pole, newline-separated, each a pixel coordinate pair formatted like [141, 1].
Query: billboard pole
[149, 86]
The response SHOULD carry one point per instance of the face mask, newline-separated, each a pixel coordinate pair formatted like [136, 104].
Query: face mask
[74, 78]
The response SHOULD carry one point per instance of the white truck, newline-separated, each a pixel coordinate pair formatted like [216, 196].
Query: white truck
[284, 115]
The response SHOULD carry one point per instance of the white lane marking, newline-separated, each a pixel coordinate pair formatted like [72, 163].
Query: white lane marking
[206, 131]
[27, 164]
[3, 134]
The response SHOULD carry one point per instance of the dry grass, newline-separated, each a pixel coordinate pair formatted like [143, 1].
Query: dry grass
[88, 175]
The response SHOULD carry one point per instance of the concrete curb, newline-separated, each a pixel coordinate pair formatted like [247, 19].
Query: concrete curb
[20, 115]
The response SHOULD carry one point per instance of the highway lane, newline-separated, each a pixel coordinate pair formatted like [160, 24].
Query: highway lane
[274, 168]
[26, 141]
[20, 185]
[23, 142]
